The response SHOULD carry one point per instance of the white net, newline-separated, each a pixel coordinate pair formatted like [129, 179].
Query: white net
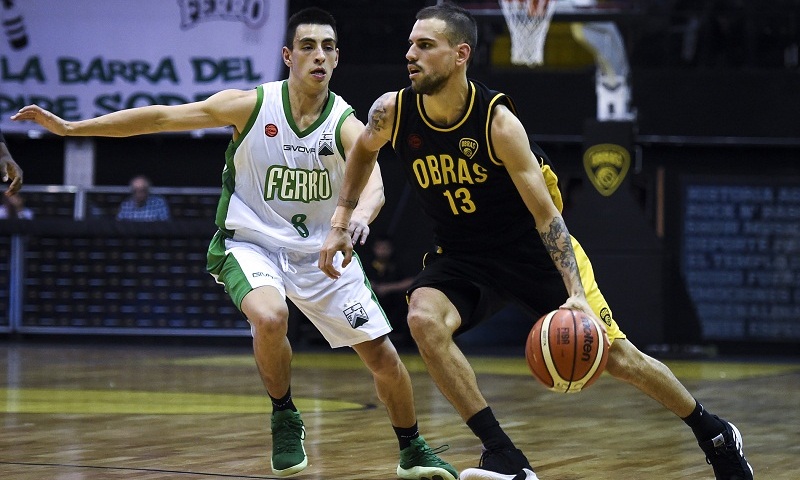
[528, 22]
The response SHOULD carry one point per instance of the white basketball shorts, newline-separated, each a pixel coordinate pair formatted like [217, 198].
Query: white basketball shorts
[345, 310]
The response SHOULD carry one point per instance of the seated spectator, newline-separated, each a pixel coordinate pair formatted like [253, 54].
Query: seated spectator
[389, 281]
[13, 206]
[141, 206]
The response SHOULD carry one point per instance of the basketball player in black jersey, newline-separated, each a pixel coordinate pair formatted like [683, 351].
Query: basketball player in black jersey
[500, 238]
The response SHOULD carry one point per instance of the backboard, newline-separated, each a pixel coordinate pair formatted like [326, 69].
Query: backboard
[590, 25]
[566, 10]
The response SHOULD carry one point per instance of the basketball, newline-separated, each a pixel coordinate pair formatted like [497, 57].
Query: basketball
[566, 350]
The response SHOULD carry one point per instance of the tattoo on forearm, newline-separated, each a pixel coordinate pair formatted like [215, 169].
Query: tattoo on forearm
[558, 244]
[346, 202]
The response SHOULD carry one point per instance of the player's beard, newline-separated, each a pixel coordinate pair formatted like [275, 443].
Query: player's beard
[429, 84]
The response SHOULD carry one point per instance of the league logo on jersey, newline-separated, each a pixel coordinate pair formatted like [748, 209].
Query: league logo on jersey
[605, 315]
[606, 165]
[356, 315]
[325, 145]
[468, 147]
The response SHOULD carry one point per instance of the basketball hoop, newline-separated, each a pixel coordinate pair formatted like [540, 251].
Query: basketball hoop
[528, 22]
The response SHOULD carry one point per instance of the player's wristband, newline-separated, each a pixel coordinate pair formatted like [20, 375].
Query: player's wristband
[342, 225]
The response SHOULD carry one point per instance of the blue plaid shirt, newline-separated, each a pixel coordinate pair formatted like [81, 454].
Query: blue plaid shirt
[155, 209]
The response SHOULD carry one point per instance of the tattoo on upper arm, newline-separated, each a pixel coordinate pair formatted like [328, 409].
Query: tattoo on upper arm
[377, 116]
[558, 244]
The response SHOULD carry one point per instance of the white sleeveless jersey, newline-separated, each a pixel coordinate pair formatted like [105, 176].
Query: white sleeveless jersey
[281, 185]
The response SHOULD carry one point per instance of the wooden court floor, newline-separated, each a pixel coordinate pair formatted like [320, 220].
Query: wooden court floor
[93, 411]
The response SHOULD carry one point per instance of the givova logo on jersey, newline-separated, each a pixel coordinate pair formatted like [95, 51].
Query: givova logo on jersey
[324, 146]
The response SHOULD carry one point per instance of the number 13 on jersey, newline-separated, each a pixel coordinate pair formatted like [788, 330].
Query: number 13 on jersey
[459, 201]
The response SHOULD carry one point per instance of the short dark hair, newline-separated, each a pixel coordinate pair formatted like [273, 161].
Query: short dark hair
[308, 16]
[461, 25]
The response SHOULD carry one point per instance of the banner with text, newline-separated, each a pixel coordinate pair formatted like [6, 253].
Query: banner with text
[85, 58]
[741, 238]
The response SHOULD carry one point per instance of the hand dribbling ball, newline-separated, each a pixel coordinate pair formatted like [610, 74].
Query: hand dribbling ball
[566, 350]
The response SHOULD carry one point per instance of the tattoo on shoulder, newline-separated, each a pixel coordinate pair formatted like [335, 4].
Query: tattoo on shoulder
[378, 116]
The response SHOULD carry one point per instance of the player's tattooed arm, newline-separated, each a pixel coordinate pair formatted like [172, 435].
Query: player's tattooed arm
[557, 241]
[381, 116]
[377, 116]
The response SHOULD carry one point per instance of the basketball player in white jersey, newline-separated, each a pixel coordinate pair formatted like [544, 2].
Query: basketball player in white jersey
[283, 171]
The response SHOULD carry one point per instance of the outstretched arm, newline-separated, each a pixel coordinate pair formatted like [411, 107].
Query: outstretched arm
[228, 107]
[513, 149]
[361, 161]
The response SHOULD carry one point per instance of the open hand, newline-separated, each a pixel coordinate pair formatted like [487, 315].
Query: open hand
[48, 120]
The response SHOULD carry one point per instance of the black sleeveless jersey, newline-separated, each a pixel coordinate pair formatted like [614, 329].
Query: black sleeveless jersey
[461, 185]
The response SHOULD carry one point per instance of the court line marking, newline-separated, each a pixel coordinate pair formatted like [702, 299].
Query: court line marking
[131, 469]
[80, 401]
[511, 365]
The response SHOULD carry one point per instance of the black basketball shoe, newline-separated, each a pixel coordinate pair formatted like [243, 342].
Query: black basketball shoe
[724, 453]
[501, 464]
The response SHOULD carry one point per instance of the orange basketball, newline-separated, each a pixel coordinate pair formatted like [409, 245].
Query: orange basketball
[567, 350]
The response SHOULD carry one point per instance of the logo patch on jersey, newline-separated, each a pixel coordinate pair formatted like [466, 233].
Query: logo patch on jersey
[468, 147]
[325, 145]
[414, 141]
[606, 165]
[356, 315]
[605, 316]
[271, 130]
